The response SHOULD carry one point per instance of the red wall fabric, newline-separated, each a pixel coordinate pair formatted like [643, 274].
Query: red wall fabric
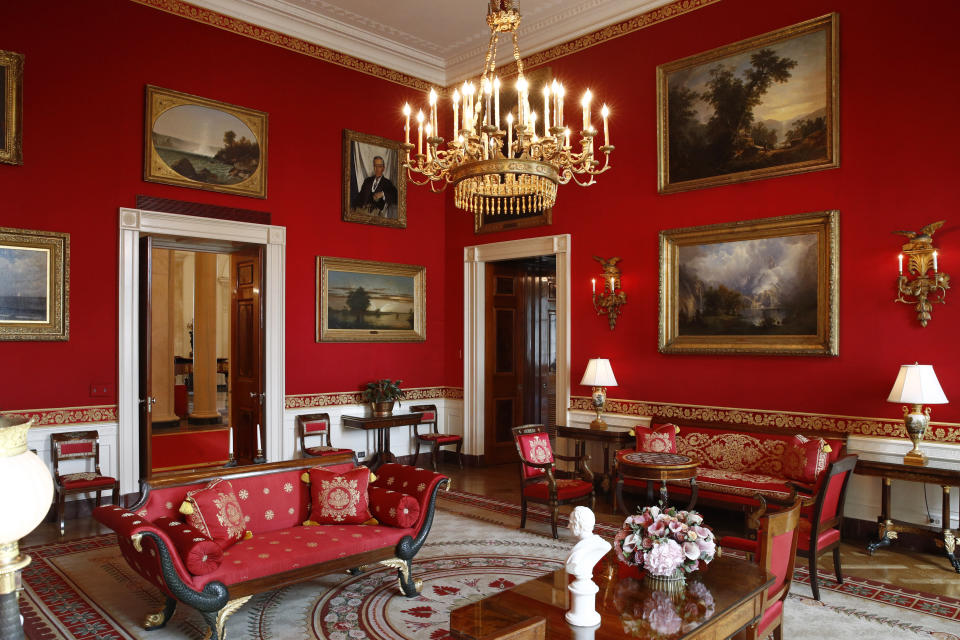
[86, 67]
[897, 163]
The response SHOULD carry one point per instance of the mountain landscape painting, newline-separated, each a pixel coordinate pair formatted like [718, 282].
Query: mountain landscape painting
[760, 108]
[24, 284]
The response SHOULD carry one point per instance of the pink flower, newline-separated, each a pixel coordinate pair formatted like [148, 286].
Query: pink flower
[647, 543]
[691, 550]
[658, 528]
[676, 526]
[630, 543]
[703, 532]
[643, 520]
[707, 546]
[660, 613]
[664, 558]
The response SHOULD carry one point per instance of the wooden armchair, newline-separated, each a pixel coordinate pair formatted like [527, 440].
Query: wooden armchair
[316, 424]
[79, 445]
[541, 482]
[433, 437]
[775, 549]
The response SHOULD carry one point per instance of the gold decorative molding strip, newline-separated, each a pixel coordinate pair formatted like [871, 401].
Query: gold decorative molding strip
[947, 432]
[310, 400]
[66, 415]
[284, 41]
[636, 23]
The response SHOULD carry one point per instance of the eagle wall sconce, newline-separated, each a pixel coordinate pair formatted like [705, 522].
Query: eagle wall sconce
[612, 297]
[919, 287]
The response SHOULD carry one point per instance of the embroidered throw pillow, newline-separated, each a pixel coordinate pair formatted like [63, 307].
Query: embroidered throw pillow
[806, 459]
[660, 438]
[215, 511]
[393, 508]
[200, 554]
[339, 498]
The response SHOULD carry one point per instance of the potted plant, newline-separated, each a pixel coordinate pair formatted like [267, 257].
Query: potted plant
[381, 394]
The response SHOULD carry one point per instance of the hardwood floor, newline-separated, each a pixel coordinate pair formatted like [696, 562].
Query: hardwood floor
[912, 570]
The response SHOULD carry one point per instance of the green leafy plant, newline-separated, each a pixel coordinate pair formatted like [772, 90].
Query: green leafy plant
[384, 390]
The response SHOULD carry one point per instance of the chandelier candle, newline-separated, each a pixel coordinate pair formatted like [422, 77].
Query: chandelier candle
[511, 171]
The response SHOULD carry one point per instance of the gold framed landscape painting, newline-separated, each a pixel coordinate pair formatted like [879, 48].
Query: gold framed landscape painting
[366, 301]
[34, 285]
[759, 108]
[11, 107]
[766, 286]
[200, 143]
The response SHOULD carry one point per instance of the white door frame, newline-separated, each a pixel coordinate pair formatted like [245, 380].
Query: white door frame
[137, 222]
[474, 315]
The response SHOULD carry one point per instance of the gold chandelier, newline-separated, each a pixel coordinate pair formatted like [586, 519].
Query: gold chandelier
[497, 171]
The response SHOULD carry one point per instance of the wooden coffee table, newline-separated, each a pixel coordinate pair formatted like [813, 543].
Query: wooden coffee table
[653, 466]
[718, 603]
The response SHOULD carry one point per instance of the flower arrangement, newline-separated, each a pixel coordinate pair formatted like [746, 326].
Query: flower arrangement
[663, 541]
[661, 615]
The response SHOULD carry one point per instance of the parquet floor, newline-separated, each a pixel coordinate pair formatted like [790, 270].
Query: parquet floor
[919, 571]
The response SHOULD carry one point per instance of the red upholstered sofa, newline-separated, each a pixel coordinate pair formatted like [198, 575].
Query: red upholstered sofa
[275, 501]
[737, 464]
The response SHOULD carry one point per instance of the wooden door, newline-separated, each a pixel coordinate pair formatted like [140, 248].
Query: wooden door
[145, 381]
[540, 365]
[246, 353]
[503, 360]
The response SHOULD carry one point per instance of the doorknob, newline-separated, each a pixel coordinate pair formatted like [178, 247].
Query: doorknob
[149, 401]
[260, 396]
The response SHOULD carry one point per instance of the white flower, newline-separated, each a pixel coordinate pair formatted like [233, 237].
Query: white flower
[691, 550]
[630, 543]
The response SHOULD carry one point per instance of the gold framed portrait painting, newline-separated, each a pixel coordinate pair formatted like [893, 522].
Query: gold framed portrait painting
[374, 181]
[200, 143]
[760, 108]
[366, 301]
[766, 286]
[11, 107]
[34, 285]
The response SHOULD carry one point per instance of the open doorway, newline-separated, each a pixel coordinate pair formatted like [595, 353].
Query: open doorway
[520, 362]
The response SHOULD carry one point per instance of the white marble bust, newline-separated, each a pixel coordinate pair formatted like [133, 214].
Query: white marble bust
[580, 563]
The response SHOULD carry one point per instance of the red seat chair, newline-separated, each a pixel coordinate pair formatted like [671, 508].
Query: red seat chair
[541, 482]
[826, 511]
[775, 549]
[79, 445]
[433, 437]
[316, 424]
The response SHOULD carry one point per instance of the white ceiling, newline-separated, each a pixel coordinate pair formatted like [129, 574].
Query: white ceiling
[440, 41]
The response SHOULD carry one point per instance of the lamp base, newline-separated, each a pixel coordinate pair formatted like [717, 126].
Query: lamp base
[598, 425]
[915, 459]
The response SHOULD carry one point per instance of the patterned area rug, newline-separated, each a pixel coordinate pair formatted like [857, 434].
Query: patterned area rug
[84, 590]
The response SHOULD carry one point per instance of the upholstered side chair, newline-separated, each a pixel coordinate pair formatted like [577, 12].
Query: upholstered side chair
[79, 445]
[433, 437]
[775, 549]
[311, 425]
[542, 482]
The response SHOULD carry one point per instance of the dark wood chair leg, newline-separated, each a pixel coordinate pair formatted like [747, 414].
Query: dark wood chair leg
[813, 575]
[116, 493]
[523, 513]
[61, 504]
[554, 516]
[460, 453]
[836, 564]
[416, 454]
[99, 494]
[434, 452]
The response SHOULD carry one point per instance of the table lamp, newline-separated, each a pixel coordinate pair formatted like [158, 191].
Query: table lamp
[599, 375]
[916, 385]
[26, 490]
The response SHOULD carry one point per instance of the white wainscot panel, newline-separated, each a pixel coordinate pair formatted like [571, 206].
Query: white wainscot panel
[402, 443]
[38, 438]
[909, 501]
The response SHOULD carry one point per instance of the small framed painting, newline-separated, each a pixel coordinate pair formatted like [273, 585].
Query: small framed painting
[765, 286]
[204, 144]
[374, 182]
[11, 107]
[365, 301]
[34, 285]
[759, 108]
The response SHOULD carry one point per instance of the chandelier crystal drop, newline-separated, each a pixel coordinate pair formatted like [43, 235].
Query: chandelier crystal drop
[499, 166]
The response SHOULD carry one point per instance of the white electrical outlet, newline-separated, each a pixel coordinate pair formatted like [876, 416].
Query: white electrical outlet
[361, 454]
[934, 521]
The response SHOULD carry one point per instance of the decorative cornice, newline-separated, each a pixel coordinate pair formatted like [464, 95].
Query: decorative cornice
[289, 42]
[66, 415]
[310, 400]
[789, 420]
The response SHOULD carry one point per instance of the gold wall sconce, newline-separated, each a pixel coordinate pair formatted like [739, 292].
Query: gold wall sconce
[919, 287]
[612, 296]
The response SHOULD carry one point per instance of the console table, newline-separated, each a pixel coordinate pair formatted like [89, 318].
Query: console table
[887, 528]
[622, 437]
[382, 425]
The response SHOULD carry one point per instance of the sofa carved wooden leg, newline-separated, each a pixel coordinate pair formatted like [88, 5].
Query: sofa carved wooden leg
[160, 619]
[409, 586]
[217, 620]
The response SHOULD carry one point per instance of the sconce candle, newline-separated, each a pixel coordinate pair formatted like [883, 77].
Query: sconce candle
[593, 285]
[900, 258]
[935, 262]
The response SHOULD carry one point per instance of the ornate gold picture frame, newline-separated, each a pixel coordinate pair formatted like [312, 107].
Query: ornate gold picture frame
[374, 182]
[34, 285]
[366, 301]
[766, 286]
[200, 143]
[11, 107]
[760, 108]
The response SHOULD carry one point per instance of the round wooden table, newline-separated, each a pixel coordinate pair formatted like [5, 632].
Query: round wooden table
[653, 466]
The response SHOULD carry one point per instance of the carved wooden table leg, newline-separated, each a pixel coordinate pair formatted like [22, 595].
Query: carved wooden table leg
[949, 540]
[693, 494]
[886, 536]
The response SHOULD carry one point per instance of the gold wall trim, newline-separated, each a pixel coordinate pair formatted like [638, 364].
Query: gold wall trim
[339, 398]
[66, 415]
[947, 432]
[284, 41]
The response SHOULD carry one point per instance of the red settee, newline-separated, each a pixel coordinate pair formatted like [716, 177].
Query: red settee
[736, 464]
[275, 501]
